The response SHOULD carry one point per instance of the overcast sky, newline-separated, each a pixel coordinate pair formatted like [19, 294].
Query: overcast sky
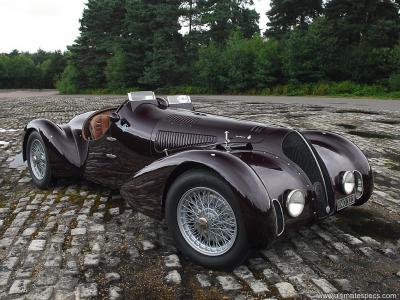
[28, 25]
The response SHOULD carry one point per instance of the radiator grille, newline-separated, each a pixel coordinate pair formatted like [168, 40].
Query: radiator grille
[172, 140]
[298, 150]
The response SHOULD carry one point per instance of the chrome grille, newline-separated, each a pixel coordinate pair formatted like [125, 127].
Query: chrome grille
[301, 152]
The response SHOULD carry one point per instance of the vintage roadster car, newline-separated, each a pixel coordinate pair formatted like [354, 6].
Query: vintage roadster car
[223, 185]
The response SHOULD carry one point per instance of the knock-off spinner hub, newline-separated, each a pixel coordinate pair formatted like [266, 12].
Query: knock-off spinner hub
[202, 222]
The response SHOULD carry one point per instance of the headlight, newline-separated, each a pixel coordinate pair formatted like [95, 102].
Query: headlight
[348, 182]
[359, 184]
[295, 203]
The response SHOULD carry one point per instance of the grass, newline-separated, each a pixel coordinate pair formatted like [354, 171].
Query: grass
[332, 89]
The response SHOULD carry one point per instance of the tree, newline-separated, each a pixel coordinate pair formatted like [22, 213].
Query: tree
[286, 15]
[69, 82]
[373, 23]
[164, 57]
[268, 66]
[116, 71]
[240, 66]
[210, 68]
[22, 72]
[308, 55]
[102, 26]
[4, 75]
[51, 69]
[219, 18]
[189, 13]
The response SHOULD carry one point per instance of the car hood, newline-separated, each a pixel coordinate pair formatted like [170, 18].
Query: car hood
[180, 128]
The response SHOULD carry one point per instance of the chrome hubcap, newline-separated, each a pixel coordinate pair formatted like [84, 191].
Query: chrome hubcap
[38, 159]
[207, 221]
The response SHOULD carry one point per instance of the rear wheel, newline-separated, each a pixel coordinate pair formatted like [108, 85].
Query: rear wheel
[38, 161]
[204, 217]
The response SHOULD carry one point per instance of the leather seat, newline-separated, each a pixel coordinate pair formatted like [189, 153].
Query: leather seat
[99, 125]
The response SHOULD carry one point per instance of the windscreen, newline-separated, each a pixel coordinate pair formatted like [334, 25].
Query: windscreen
[141, 95]
[179, 99]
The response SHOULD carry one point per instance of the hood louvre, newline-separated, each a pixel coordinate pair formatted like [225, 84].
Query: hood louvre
[257, 129]
[171, 140]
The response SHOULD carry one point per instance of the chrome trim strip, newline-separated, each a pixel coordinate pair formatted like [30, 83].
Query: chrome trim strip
[320, 171]
[276, 218]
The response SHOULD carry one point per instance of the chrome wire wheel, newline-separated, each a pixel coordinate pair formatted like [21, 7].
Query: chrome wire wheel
[207, 221]
[38, 159]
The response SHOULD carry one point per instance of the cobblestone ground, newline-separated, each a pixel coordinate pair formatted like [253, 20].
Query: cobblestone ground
[79, 241]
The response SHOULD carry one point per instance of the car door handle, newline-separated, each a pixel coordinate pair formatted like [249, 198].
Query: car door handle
[111, 139]
[112, 156]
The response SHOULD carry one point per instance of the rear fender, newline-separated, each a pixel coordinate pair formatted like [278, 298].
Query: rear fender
[63, 156]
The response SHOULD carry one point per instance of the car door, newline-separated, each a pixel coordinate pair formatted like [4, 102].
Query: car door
[130, 146]
[100, 162]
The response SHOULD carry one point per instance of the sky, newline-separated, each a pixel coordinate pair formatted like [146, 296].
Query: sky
[28, 25]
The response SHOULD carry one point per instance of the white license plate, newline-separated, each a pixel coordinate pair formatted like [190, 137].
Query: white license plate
[345, 202]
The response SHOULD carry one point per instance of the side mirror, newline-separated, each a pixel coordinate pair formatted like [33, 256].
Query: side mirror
[114, 117]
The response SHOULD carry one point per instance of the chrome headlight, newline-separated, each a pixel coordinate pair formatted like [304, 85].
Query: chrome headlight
[295, 203]
[348, 182]
[359, 184]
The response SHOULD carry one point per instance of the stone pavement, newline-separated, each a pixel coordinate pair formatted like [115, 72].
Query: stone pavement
[79, 241]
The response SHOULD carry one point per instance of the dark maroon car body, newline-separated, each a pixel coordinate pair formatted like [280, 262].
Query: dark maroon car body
[150, 143]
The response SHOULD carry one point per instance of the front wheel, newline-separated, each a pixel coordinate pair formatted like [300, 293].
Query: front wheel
[38, 161]
[204, 218]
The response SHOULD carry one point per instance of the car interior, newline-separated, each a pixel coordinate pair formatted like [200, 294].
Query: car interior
[97, 125]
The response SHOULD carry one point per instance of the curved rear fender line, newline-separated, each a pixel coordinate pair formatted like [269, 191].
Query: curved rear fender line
[341, 154]
[62, 150]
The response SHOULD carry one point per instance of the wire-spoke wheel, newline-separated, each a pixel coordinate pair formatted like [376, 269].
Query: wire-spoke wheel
[38, 160]
[204, 217]
[207, 221]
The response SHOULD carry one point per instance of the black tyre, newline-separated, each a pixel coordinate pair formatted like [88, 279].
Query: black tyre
[38, 161]
[204, 218]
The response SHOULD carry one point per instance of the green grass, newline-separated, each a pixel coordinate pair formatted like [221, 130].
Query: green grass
[340, 89]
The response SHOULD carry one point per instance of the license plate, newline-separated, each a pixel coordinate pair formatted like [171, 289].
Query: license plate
[345, 202]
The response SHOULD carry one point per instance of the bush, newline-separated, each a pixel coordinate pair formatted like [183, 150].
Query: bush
[394, 83]
[342, 88]
[184, 90]
[321, 89]
[69, 82]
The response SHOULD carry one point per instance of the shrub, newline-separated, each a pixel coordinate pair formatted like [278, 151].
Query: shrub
[68, 84]
[321, 89]
[394, 83]
[342, 88]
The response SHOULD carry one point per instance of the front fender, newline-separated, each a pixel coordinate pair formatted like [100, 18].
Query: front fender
[340, 154]
[64, 159]
[147, 189]
[281, 176]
